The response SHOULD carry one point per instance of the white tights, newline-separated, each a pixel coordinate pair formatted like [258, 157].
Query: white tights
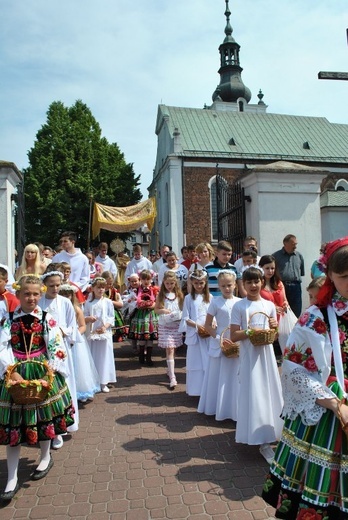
[12, 454]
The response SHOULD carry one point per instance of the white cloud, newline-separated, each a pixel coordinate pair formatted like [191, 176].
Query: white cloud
[124, 58]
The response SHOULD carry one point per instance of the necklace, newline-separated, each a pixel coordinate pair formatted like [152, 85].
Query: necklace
[33, 331]
[34, 327]
[170, 299]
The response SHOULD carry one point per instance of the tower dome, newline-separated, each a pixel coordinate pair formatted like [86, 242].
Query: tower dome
[231, 86]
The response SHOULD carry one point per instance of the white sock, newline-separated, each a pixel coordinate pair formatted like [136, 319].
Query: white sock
[45, 455]
[170, 363]
[12, 454]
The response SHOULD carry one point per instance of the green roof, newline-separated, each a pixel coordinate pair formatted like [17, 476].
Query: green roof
[207, 133]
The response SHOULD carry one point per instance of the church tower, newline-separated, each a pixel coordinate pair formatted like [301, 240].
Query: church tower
[231, 87]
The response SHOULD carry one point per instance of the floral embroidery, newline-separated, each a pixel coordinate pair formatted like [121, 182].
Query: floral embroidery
[52, 323]
[48, 431]
[3, 435]
[313, 322]
[284, 504]
[14, 437]
[15, 327]
[268, 484]
[31, 436]
[305, 358]
[60, 354]
[309, 513]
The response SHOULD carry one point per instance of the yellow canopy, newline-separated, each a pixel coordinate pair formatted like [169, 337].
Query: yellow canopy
[124, 219]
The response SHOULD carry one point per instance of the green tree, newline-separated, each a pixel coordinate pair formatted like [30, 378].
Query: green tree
[69, 164]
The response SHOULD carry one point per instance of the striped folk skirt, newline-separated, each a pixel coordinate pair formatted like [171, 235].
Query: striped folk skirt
[309, 476]
[35, 422]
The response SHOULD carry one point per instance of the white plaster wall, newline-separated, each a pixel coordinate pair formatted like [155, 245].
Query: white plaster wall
[334, 222]
[171, 233]
[284, 203]
[9, 178]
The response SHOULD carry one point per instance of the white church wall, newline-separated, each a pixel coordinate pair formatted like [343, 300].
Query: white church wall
[284, 203]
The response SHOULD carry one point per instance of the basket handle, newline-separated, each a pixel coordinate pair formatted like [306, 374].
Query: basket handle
[257, 312]
[222, 334]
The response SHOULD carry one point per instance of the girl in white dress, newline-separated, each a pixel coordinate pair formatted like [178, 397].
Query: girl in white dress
[169, 303]
[260, 398]
[221, 384]
[86, 375]
[100, 318]
[192, 323]
[63, 312]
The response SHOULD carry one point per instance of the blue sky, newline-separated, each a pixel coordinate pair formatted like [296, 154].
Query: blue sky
[122, 58]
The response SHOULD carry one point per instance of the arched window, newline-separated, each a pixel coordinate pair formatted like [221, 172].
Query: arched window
[341, 185]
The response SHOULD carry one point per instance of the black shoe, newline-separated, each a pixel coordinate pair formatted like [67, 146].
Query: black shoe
[6, 496]
[37, 475]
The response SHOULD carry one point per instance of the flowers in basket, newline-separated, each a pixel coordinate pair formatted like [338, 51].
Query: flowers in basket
[28, 391]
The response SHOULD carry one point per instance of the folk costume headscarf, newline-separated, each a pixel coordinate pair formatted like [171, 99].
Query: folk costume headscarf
[327, 290]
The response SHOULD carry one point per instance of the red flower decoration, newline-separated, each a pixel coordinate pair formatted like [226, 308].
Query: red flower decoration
[60, 354]
[52, 322]
[62, 424]
[36, 327]
[14, 438]
[295, 357]
[31, 436]
[342, 335]
[15, 327]
[3, 435]
[14, 339]
[319, 326]
[303, 319]
[310, 364]
[36, 340]
[308, 513]
[49, 431]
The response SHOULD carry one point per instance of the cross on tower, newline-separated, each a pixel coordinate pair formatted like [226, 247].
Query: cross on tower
[334, 75]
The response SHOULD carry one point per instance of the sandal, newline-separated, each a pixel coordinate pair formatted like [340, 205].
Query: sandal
[340, 418]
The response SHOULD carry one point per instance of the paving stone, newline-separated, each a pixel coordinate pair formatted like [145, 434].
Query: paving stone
[143, 453]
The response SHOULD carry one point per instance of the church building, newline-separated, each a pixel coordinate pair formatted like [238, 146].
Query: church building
[233, 169]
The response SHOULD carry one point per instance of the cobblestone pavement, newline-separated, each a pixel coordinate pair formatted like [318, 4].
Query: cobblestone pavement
[142, 453]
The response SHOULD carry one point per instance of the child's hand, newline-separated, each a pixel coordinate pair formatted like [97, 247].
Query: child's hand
[273, 323]
[16, 377]
[101, 330]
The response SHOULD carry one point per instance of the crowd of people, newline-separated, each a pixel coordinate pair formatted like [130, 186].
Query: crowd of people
[66, 310]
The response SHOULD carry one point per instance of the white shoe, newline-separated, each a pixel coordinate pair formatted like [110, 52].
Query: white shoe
[173, 383]
[83, 400]
[57, 442]
[267, 453]
[105, 389]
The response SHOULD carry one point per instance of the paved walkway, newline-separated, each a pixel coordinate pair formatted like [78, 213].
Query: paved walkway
[143, 453]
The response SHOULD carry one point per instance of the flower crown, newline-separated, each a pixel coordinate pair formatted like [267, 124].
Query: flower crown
[254, 267]
[226, 271]
[329, 249]
[17, 285]
[52, 273]
[68, 287]
[97, 279]
[201, 276]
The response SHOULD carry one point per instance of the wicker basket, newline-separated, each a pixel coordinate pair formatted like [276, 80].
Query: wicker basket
[31, 392]
[261, 337]
[230, 350]
[202, 333]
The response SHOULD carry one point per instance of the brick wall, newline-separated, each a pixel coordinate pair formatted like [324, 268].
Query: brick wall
[197, 201]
